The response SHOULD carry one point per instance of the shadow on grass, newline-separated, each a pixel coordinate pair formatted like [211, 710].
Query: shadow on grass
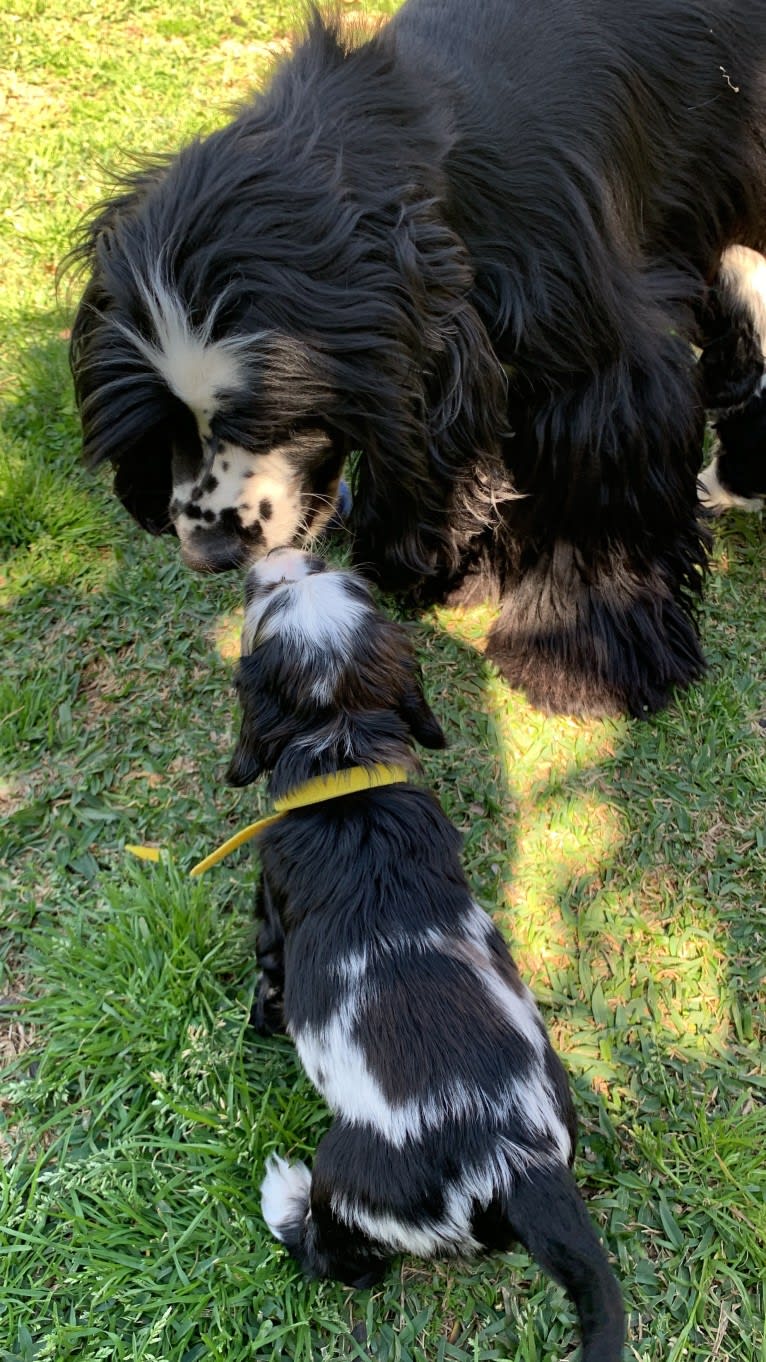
[634, 902]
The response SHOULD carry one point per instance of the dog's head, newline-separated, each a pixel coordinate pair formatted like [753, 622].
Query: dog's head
[216, 419]
[326, 680]
[278, 295]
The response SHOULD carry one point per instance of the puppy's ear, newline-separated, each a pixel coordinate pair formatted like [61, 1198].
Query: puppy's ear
[420, 718]
[246, 763]
[245, 766]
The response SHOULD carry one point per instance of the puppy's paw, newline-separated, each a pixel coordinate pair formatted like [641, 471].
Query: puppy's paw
[267, 1012]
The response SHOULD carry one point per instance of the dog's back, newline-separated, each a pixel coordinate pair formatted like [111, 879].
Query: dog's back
[400, 994]
[454, 1129]
[649, 109]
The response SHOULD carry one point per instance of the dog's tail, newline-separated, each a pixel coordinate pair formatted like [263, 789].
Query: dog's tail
[286, 1205]
[549, 1217]
[287, 1210]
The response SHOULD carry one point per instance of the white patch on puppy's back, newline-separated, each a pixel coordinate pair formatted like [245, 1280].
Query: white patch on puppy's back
[338, 1068]
[427, 1240]
[474, 1188]
[518, 1006]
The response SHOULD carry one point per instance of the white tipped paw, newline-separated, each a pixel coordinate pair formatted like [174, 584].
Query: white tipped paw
[717, 498]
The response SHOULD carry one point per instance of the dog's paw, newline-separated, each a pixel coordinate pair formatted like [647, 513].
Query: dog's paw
[267, 1012]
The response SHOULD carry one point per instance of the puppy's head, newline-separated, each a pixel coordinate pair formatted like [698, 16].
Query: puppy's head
[325, 679]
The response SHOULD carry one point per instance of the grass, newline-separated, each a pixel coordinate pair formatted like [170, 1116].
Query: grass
[626, 865]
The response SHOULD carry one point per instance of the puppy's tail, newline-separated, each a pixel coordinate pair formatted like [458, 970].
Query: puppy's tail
[550, 1219]
[286, 1203]
[287, 1210]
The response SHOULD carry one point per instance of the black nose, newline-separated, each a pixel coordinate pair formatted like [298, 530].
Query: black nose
[213, 554]
[315, 563]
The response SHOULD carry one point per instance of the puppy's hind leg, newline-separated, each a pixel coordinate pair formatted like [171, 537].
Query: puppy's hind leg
[549, 1217]
[266, 1014]
[304, 1222]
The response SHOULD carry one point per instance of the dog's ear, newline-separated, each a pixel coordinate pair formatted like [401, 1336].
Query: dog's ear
[143, 482]
[420, 718]
[443, 403]
[245, 765]
[247, 759]
[128, 421]
[128, 417]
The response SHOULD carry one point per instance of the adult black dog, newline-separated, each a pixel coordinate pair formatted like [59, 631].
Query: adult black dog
[475, 248]
[454, 1126]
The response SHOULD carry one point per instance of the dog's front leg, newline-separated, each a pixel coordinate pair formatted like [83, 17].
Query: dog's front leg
[605, 551]
[266, 1014]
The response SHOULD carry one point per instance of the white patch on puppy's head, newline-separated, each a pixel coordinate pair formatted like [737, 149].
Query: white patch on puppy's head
[294, 594]
[744, 272]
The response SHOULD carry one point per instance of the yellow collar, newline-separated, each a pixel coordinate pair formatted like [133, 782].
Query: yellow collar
[315, 791]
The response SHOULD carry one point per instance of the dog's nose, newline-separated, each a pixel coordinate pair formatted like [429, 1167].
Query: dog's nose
[287, 565]
[213, 555]
[282, 564]
[315, 563]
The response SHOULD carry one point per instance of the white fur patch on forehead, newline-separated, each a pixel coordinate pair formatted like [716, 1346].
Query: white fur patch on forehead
[195, 367]
[315, 610]
[197, 372]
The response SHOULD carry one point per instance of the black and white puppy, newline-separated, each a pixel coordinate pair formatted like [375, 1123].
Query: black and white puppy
[734, 367]
[454, 1127]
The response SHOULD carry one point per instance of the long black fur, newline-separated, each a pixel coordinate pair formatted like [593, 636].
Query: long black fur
[454, 1126]
[481, 242]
